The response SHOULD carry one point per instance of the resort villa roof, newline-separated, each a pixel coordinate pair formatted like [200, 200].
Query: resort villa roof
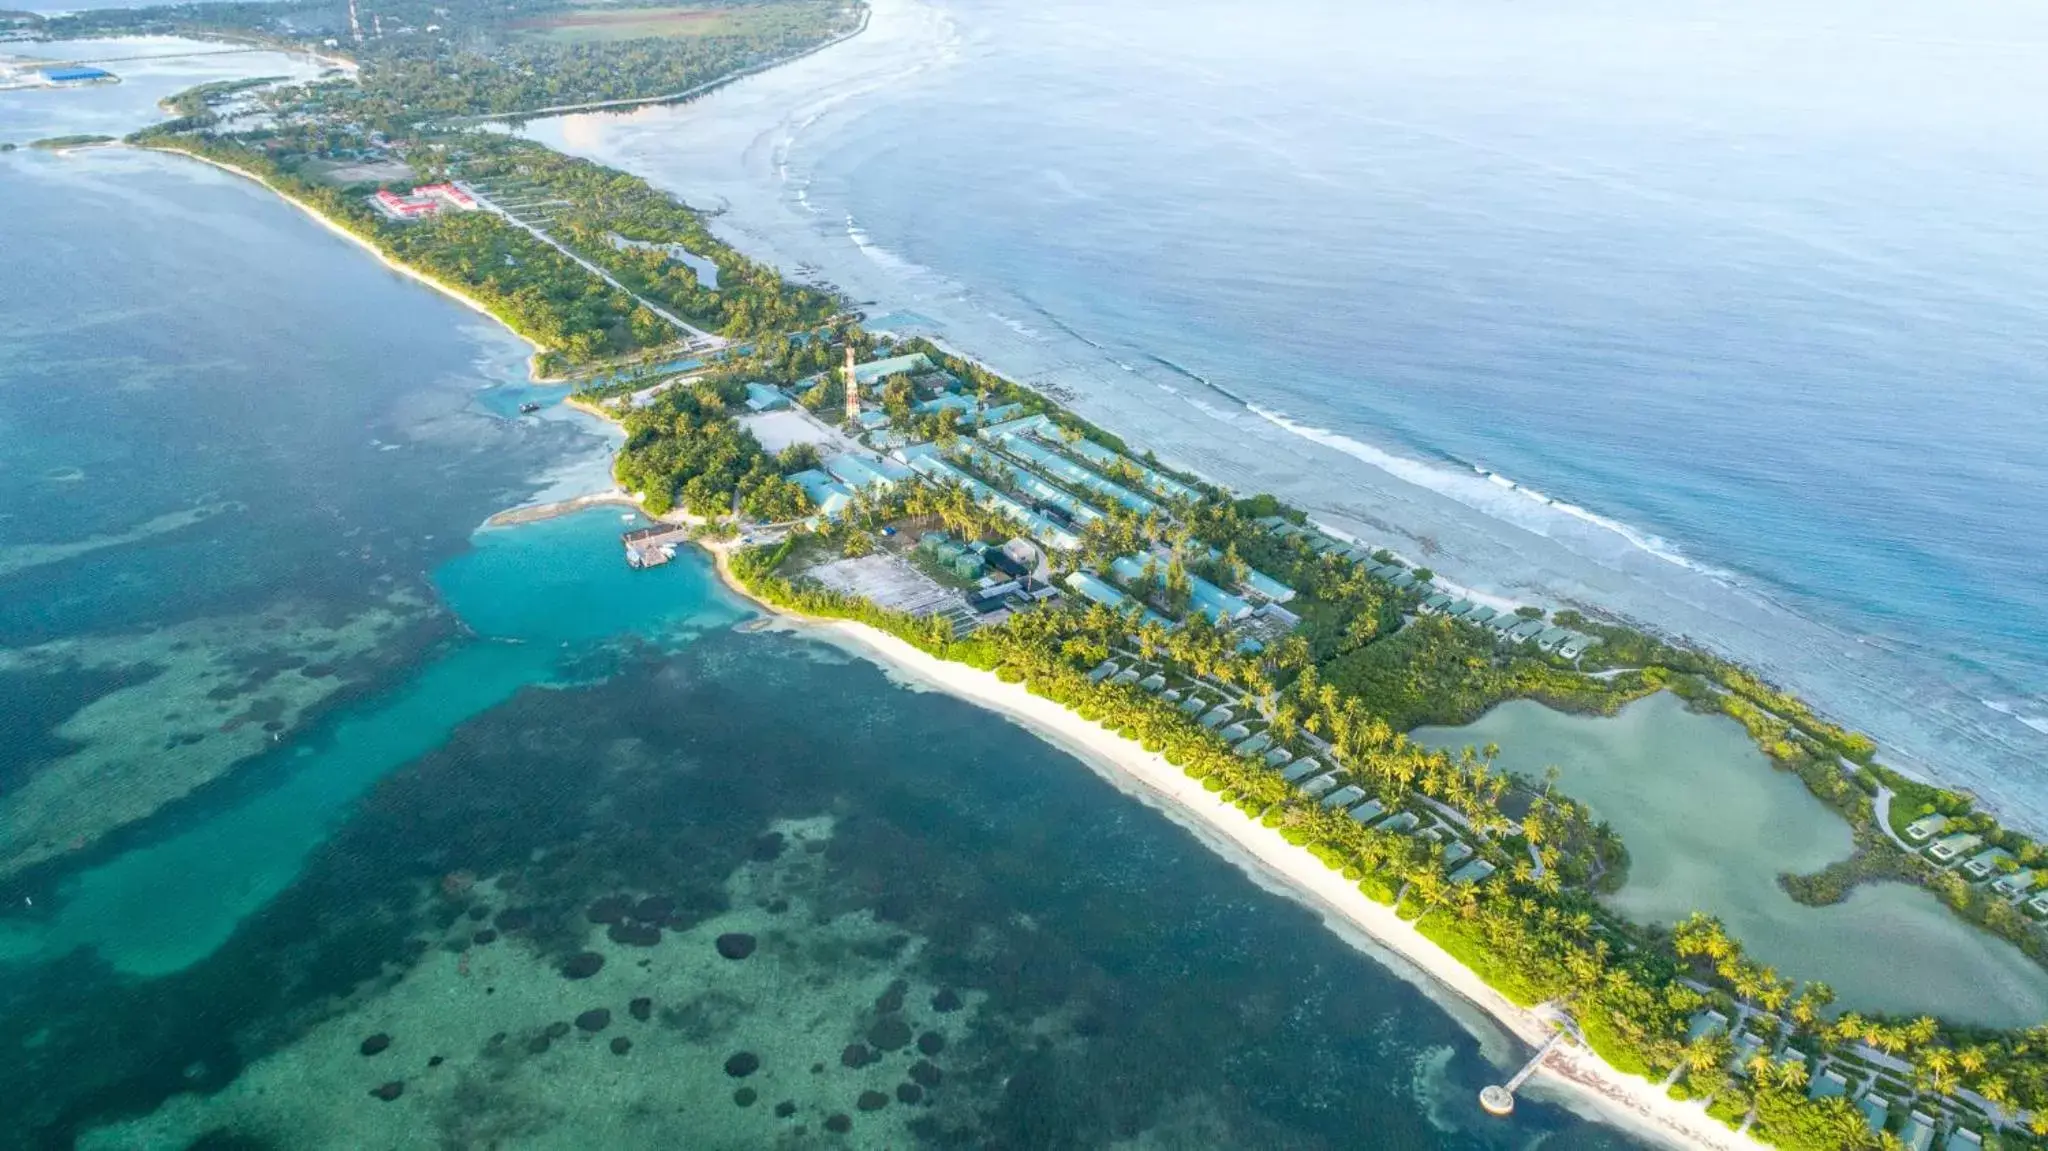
[2015, 882]
[1368, 811]
[1031, 484]
[1472, 872]
[1278, 525]
[1876, 1108]
[1156, 482]
[1401, 821]
[1344, 796]
[1925, 826]
[1095, 589]
[875, 371]
[1207, 598]
[1404, 578]
[1023, 426]
[1984, 863]
[1950, 848]
[1479, 613]
[1576, 646]
[999, 413]
[762, 398]
[1320, 784]
[1254, 745]
[831, 496]
[1527, 629]
[860, 472]
[944, 401]
[1826, 1085]
[1459, 608]
[1278, 757]
[924, 460]
[1266, 586]
[1066, 471]
[1961, 1140]
[1704, 1024]
[1456, 852]
[1437, 602]
[1919, 1132]
[1217, 717]
[1549, 638]
[1301, 769]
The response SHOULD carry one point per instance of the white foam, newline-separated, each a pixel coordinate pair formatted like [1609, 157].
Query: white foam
[1482, 490]
[876, 252]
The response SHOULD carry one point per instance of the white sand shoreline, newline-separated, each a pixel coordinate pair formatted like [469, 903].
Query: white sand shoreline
[1573, 1076]
[532, 363]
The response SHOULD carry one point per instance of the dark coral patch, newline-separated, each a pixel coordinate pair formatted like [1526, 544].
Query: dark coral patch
[374, 1044]
[514, 919]
[889, 1034]
[735, 945]
[931, 1043]
[768, 848]
[925, 1074]
[608, 909]
[785, 1109]
[891, 1001]
[621, 1045]
[857, 1055]
[641, 1008]
[946, 1000]
[389, 1091]
[839, 1124]
[871, 1101]
[654, 909]
[582, 965]
[745, 1096]
[908, 1093]
[484, 937]
[598, 1018]
[742, 1064]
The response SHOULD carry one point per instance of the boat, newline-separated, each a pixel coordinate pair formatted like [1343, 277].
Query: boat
[528, 408]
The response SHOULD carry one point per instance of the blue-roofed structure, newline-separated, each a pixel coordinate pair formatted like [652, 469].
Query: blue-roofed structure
[943, 402]
[1030, 484]
[1219, 605]
[875, 371]
[1000, 413]
[861, 472]
[830, 496]
[1159, 484]
[924, 460]
[762, 398]
[1067, 471]
[75, 74]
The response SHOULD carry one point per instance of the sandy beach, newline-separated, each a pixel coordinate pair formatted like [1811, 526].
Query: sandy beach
[1572, 1076]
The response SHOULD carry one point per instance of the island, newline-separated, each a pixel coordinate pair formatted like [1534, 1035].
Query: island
[1260, 675]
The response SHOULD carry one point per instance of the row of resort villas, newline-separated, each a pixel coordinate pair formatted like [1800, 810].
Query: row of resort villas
[1878, 1095]
[1994, 867]
[1054, 485]
[1328, 786]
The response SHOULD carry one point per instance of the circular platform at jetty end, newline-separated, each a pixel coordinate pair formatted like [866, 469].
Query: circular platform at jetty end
[1497, 1100]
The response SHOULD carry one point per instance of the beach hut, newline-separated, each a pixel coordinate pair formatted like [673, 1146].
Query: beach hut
[1549, 638]
[1102, 671]
[1254, 745]
[1216, 718]
[1480, 614]
[1368, 811]
[1301, 769]
[1278, 757]
[1984, 863]
[1344, 796]
[1473, 872]
[1961, 1140]
[1320, 784]
[1705, 1023]
[1123, 677]
[2014, 883]
[1952, 848]
[1154, 683]
[1828, 1084]
[1456, 852]
[1876, 1109]
[1404, 821]
[1919, 1132]
[1926, 826]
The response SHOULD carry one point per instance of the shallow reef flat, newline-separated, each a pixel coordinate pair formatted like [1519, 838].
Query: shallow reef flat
[196, 699]
[749, 894]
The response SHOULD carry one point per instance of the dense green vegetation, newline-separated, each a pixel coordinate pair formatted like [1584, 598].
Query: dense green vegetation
[530, 287]
[751, 300]
[685, 450]
[79, 141]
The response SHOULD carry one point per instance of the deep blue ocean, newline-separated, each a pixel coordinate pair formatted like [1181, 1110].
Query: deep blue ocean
[1724, 316]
